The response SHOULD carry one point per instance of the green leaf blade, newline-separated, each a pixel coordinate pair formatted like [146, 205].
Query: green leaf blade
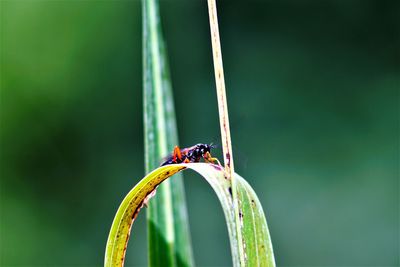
[256, 243]
[169, 241]
[256, 238]
[128, 210]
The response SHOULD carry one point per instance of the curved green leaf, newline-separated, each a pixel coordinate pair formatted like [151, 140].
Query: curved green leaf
[256, 239]
[128, 210]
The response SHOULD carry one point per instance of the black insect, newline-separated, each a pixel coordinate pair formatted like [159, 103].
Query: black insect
[191, 154]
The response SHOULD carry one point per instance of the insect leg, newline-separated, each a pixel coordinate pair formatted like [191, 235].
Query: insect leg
[177, 153]
[209, 159]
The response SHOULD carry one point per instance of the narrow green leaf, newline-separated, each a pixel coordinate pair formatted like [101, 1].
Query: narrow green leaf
[256, 239]
[255, 233]
[168, 227]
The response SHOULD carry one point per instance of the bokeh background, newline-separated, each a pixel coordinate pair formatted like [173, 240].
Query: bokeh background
[313, 91]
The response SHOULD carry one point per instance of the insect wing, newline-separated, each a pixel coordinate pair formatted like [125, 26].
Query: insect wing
[167, 160]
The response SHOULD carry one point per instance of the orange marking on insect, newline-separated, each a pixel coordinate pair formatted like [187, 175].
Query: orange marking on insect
[177, 154]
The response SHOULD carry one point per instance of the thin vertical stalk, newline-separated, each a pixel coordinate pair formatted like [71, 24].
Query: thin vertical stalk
[220, 85]
[224, 120]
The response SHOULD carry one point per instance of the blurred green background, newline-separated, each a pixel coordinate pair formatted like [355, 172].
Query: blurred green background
[313, 91]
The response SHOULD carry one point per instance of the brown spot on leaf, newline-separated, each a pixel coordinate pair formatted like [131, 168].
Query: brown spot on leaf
[217, 167]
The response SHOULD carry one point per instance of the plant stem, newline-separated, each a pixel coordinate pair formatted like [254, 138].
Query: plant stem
[221, 94]
[224, 120]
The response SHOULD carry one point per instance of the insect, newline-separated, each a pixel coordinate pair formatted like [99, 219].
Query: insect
[191, 154]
